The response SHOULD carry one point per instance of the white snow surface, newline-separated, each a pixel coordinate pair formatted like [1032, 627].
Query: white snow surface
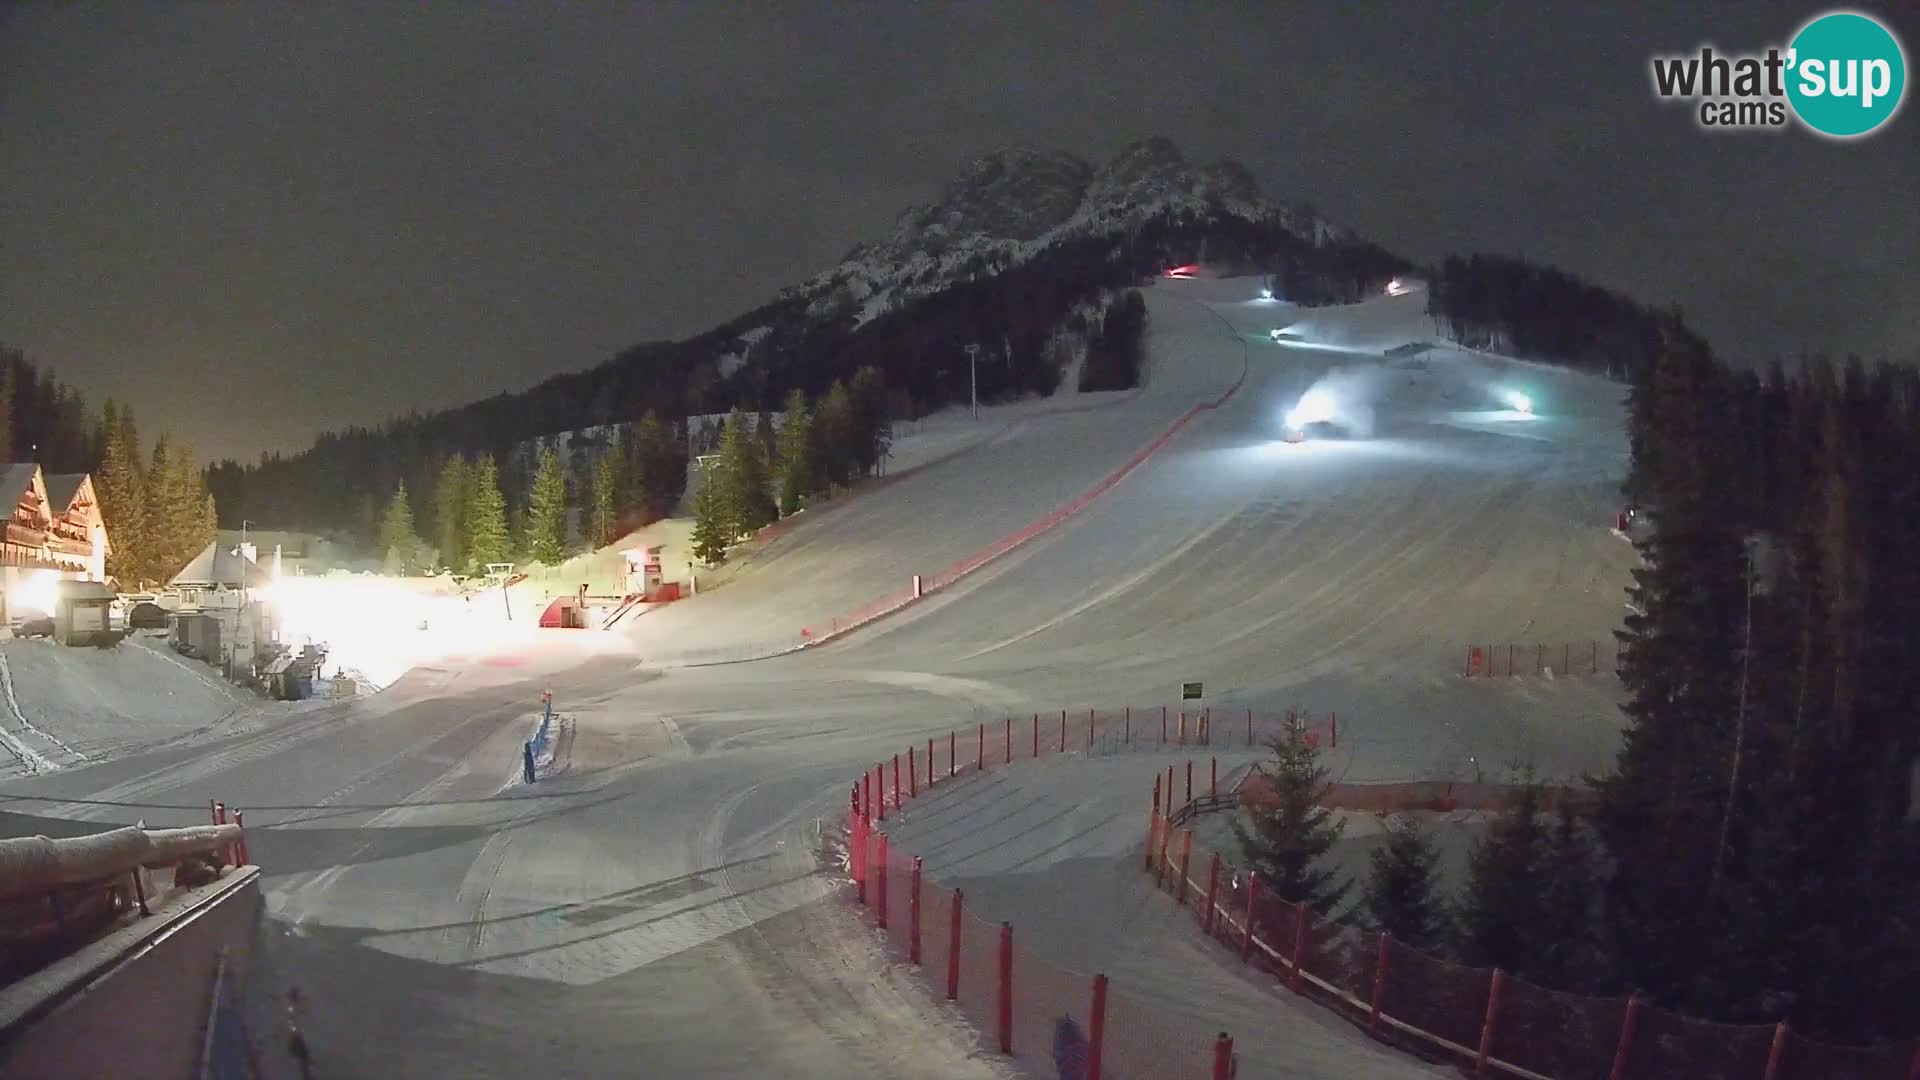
[671, 904]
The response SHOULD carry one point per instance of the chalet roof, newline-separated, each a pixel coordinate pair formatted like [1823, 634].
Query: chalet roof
[62, 487]
[15, 479]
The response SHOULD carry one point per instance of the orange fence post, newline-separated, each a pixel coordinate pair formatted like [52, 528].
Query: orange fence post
[1246, 940]
[1222, 1057]
[1623, 1050]
[913, 776]
[1006, 988]
[1153, 819]
[1096, 1026]
[913, 916]
[1302, 915]
[1379, 985]
[1492, 1021]
[1213, 892]
[953, 948]
[1186, 864]
[881, 896]
[1777, 1053]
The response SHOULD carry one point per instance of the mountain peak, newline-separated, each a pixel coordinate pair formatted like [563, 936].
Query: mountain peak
[1006, 206]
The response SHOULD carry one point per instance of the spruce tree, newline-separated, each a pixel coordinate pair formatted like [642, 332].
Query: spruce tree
[797, 469]
[7, 385]
[711, 532]
[872, 431]
[1286, 838]
[834, 424]
[1402, 892]
[744, 504]
[546, 528]
[398, 539]
[1502, 914]
[485, 518]
[1569, 955]
[123, 500]
[450, 500]
[607, 484]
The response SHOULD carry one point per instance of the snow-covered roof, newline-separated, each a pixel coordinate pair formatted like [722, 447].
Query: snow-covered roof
[217, 564]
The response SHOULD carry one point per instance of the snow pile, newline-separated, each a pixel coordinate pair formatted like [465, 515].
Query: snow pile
[79, 704]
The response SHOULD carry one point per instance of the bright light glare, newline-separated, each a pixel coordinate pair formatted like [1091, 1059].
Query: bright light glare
[1266, 294]
[373, 625]
[1519, 402]
[1396, 287]
[36, 591]
[1316, 406]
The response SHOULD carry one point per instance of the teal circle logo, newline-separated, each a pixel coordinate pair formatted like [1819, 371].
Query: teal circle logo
[1847, 74]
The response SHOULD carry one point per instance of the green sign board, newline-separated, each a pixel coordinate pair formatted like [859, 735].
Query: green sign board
[1190, 691]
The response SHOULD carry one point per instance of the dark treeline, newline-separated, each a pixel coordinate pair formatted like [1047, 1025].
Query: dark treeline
[1767, 862]
[345, 480]
[1514, 307]
[44, 420]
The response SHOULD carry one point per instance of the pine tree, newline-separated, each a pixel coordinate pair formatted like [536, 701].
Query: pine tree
[546, 528]
[1402, 885]
[1569, 955]
[711, 532]
[170, 512]
[834, 427]
[872, 430]
[1502, 915]
[123, 500]
[1291, 834]
[607, 483]
[398, 539]
[656, 471]
[450, 499]
[486, 517]
[744, 504]
[797, 465]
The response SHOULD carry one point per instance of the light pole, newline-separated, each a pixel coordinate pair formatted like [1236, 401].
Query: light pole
[973, 377]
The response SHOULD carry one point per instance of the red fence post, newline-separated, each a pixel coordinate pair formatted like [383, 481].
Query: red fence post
[1063, 731]
[880, 905]
[1189, 780]
[219, 813]
[913, 775]
[1096, 1026]
[1183, 727]
[1777, 1053]
[896, 781]
[1164, 863]
[880, 789]
[1036, 734]
[866, 799]
[1246, 940]
[1006, 988]
[953, 948]
[1302, 916]
[1379, 985]
[913, 916]
[1009, 740]
[1213, 776]
[980, 761]
[1153, 820]
[1213, 892]
[1126, 731]
[1490, 1024]
[953, 744]
[1249, 729]
[929, 762]
[1222, 1057]
[1163, 725]
[1168, 805]
[1186, 864]
[213, 814]
[857, 850]
[1623, 1050]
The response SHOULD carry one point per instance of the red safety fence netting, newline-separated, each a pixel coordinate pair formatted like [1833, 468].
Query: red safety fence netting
[1057, 1020]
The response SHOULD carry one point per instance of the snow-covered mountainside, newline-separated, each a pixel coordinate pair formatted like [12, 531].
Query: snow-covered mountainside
[1009, 206]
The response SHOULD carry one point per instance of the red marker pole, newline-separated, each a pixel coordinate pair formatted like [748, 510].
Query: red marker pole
[953, 948]
[952, 742]
[880, 788]
[1213, 779]
[896, 781]
[913, 775]
[980, 761]
[1063, 731]
[1126, 733]
[1491, 1024]
[1249, 728]
[1009, 740]
[1223, 1057]
[1163, 725]
[929, 762]
[913, 916]
[1096, 1026]
[1036, 734]
[1189, 779]
[1006, 988]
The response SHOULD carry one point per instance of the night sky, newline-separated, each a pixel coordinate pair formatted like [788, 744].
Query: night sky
[258, 221]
